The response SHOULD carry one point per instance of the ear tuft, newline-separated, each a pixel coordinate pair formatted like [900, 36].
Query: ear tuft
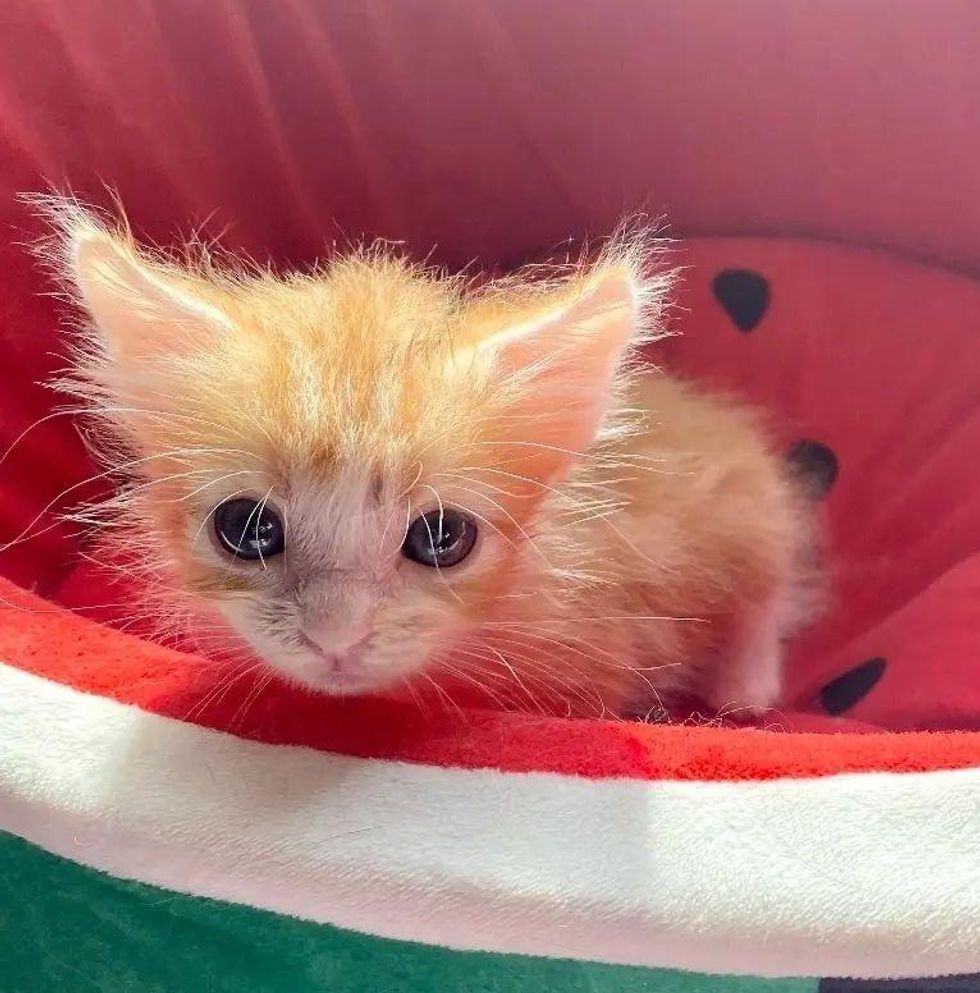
[100, 266]
[608, 311]
[582, 337]
[139, 308]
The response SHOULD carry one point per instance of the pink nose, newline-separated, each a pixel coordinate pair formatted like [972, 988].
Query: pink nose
[338, 672]
[335, 653]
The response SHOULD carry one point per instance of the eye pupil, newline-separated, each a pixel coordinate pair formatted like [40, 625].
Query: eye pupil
[440, 538]
[248, 529]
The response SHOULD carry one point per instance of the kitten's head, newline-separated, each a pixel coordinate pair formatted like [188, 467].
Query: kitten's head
[348, 467]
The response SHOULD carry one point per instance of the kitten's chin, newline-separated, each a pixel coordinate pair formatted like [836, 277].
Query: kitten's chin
[335, 685]
[331, 678]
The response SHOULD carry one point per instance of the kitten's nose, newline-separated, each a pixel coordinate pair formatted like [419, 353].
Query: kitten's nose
[333, 647]
[326, 668]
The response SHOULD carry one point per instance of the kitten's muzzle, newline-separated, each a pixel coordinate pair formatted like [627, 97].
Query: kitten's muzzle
[334, 656]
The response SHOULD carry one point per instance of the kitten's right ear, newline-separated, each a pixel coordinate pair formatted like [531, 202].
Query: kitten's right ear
[140, 312]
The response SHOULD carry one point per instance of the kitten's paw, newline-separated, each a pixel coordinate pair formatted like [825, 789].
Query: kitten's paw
[747, 686]
[747, 680]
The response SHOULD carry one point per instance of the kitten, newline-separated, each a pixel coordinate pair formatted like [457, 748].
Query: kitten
[375, 474]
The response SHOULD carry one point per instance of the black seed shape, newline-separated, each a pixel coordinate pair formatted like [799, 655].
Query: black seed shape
[945, 984]
[853, 686]
[814, 464]
[744, 295]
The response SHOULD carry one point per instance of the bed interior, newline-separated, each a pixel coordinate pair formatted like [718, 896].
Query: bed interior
[880, 417]
[495, 138]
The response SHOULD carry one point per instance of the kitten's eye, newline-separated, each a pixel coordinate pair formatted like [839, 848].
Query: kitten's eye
[248, 530]
[440, 538]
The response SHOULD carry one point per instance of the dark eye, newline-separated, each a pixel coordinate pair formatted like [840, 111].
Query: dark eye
[249, 530]
[440, 538]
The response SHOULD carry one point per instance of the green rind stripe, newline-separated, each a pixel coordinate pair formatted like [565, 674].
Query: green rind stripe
[65, 928]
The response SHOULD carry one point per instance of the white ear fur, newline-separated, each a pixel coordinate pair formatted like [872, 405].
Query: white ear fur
[593, 330]
[562, 367]
[138, 313]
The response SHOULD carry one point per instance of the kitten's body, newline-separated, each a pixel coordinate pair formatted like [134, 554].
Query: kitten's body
[636, 537]
[691, 578]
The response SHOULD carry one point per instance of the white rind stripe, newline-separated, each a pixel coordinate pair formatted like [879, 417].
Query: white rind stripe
[865, 875]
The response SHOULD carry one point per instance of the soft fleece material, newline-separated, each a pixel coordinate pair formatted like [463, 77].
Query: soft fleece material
[489, 133]
[868, 873]
[472, 130]
[886, 427]
[734, 853]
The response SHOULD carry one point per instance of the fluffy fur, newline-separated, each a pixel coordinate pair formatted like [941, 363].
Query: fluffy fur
[637, 537]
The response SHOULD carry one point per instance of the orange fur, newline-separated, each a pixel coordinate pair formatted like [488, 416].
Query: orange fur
[637, 537]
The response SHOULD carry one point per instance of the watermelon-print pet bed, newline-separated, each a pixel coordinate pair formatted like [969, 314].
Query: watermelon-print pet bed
[164, 831]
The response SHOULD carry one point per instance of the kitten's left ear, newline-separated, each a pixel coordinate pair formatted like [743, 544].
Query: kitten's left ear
[140, 313]
[559, 371]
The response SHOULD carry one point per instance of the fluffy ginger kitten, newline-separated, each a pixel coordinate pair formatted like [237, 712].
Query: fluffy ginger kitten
[373, 475]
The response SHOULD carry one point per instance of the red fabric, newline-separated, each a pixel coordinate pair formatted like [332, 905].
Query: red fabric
[876, 359]
[492, 129]
[96, 659]
[496, 130]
